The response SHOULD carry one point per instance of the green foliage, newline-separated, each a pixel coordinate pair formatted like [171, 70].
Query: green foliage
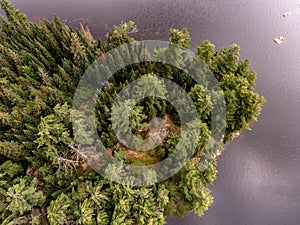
[12, 150]
[243, 105]
[120, 34]
[58, 209]
[23, 196]
[202, 101]
[52, 136]
[206, 51]
[180, 37]
[46, 179]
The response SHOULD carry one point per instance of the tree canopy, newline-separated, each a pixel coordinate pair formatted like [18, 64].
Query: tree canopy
[45, 179]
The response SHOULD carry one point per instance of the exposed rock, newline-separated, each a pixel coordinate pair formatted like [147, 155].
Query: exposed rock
[279, 40]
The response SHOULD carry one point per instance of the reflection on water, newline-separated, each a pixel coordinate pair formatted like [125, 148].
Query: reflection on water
[259, 175]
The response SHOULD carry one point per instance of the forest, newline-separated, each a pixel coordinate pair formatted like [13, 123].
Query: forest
[45, 178]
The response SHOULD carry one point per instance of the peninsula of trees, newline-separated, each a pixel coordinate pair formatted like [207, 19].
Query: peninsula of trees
[43, 177]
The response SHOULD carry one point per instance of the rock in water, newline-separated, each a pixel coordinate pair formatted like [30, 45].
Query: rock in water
[279, 40]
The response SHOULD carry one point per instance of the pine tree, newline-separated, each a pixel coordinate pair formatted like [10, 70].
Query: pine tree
[22, 196]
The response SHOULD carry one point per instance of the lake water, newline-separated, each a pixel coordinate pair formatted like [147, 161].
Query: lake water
[259, 174]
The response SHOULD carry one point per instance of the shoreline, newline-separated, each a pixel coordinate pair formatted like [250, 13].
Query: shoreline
[234, 136]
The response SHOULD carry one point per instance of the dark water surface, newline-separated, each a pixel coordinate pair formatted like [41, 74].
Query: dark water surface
[259, 174]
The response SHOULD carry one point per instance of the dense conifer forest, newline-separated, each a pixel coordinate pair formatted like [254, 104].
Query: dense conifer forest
[45, 179]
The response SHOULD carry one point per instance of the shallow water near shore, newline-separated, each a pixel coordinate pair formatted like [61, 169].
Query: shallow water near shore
[259, 172]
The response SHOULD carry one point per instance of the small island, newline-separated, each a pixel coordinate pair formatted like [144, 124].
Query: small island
[46, 179]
